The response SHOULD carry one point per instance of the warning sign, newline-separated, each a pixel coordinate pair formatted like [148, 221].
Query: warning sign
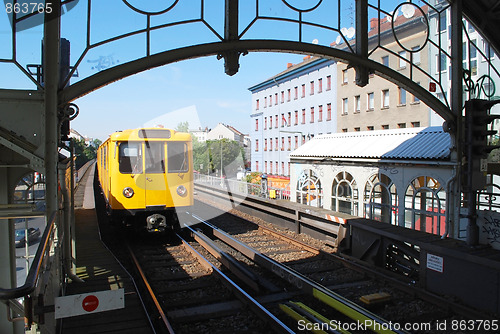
[69, 306]
[434, 262]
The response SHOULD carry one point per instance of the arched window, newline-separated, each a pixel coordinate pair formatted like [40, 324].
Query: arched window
[381, 199]
[425, 204]
[309, 189]
[345, 194]
[488, 199]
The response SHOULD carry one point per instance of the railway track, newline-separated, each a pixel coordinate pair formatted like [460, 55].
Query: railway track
[231, 275]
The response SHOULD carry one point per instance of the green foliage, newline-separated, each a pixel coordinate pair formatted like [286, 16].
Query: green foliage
[85, 153]
[182, 127]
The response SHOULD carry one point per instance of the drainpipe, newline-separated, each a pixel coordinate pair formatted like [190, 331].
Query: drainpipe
[449, 203]
[67, 214]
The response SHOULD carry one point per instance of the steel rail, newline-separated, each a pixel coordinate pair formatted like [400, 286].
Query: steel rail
[243, 296]
[151, 293]
[336, 301]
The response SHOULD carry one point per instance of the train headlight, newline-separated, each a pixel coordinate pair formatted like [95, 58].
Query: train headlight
[128, 192]
[181, 191]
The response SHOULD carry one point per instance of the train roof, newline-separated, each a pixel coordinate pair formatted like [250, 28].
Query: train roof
[152, 134]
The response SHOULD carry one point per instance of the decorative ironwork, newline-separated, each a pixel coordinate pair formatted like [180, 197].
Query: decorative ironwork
[141, 29]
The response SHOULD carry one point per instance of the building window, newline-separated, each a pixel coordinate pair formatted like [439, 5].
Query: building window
[381, 199]
[282, 96]
[257, 166]
[328, 82]
[265, 123]
[289, 95]
[256, 145]
[441, 61]
[402, 59]
[385, 61]
[345, 194]
[402, 96]
[265, 166]
[402, 125]
[328, 111]
[265, 144]
[370, 102]
[296, 117]
[289, 143]
[344, 130]
[303, 116]
[415, 124]
[276, 121]
[357, 129]
[345, 106]
[312, 88]
[309, 190]
[357, 104]
[289, 119]
[282, 168]
[312, 114]
[270, 167]
[257, 104]
[369, 128]
[385, 127]
[277, 170]
[296, 142]
[265, 102]
[275, 98]
[270, 144]
[425, 203]
[296, 90]
[277, 145]
[415, 98]
[320, 114]
[345, 77]
[320, 85]
[283, 120]
[442, 22]
[385, 98]
[270, 122]
[416, 54]
[257, 125]
[303, 90]
[270, 100]
[282, 143]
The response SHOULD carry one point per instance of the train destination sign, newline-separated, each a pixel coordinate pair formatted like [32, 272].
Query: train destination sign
[73, 305]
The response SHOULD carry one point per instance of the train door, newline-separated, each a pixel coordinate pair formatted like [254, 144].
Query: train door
[157, 193]
[130, 161]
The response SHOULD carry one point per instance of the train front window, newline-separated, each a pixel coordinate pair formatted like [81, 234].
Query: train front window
[130, 157]
[155, 157]
[177, 157]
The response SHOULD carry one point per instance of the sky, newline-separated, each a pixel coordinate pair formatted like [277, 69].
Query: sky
[197, 84]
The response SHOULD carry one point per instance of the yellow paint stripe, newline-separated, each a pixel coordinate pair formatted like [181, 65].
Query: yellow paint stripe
[296, 316]
[350, 312]
[318, 316]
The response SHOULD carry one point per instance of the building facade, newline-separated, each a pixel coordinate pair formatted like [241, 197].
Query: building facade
[382, 105]
[288, 110]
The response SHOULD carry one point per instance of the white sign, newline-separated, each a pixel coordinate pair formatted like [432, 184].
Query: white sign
[489, 228]
[70, 306]
[434, 262]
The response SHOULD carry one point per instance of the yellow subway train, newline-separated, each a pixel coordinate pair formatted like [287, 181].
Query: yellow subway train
[146, 176]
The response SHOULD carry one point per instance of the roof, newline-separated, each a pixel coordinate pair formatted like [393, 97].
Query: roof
[430, 143]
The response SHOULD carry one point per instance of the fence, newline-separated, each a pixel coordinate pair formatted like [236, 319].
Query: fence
[242, 187]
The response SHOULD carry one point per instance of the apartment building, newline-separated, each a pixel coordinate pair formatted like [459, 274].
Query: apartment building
[382, 105]
[289, 109]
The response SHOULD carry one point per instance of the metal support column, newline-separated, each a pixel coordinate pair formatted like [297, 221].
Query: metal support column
[456, 130]
[51, 85]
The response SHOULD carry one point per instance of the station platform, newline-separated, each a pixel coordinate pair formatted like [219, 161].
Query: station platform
[101, 272]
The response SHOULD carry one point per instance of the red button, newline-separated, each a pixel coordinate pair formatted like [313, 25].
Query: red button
[90, 303]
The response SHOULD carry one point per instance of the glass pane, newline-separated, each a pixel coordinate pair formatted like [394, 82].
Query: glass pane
[177, 157]
[130, 158]
[155, 157]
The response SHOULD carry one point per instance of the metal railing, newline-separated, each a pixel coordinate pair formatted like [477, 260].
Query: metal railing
[242, 187]
[40, 262]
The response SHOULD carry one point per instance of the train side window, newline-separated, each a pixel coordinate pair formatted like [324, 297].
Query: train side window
[177, 157]
[130, 157]
[155, 157]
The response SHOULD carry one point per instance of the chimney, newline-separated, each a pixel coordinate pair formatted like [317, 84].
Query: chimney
[373, 23]
[288, 65]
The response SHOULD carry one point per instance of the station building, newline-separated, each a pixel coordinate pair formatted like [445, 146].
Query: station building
[399, 176]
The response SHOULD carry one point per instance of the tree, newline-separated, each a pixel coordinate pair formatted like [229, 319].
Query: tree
[232, 155]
